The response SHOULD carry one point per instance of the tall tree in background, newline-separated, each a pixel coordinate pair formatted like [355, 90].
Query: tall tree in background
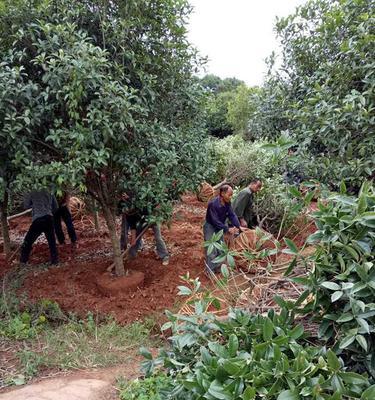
[228, 106]
[324, 92]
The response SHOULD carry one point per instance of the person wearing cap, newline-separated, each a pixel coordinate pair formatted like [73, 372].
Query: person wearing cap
[243, 204]
[219, 209]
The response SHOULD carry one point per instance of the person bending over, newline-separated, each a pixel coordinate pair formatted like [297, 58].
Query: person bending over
[43, 205]
[63, 213]
[243, 204]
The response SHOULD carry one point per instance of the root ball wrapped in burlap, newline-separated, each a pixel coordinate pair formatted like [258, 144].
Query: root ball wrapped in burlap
[206, 192]
[252, 242]
[77, 207]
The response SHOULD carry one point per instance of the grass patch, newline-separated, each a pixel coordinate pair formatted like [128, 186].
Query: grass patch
[37, 339]
[77, 344]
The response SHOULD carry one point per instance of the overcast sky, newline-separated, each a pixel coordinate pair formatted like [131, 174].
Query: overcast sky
[237, 35]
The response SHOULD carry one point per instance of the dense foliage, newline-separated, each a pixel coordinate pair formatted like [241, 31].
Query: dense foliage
[250, 357]
[343, 278]
[121, 108]
[239, 161]
[228, 106]
[324, 91]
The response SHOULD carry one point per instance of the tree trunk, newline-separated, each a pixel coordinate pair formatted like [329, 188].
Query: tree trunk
[96, 217]
[117, 258]
[4, 225]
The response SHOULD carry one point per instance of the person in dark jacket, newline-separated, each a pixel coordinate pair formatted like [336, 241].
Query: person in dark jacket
[63, 213]
[243, 204]
[43, 205]
[218, 211]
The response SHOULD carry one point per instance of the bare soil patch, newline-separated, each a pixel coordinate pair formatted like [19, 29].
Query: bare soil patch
[73, 285]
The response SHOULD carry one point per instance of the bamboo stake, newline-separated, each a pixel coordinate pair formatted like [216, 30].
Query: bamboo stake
[19, 214]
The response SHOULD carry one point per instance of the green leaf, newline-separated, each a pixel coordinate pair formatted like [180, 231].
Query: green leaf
[364, 325]
[217, 391]
[267, 329]
[369, 393]
[296, 332]
[302, 297]
[295, 192]
[345, 318]
[333, 361]
[291, 267]
[347, 341]
[145, 353]
[224, 271]
[352, 377]
[350, 250]
[232, 368]
[292, 246]
[288, 395]
[342, 187]
[184, 291]
[331, 285]
[233, 345]
[249, 393]
[362, 341]
[166, 326]
[336, 295]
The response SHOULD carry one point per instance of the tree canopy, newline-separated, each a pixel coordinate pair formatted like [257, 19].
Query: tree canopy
[120, 107]
[324, 92]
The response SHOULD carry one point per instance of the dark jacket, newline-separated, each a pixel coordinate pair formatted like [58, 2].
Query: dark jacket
[217, 214]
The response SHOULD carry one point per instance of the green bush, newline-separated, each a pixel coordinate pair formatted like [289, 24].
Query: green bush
[239, 162]
[252, 357]
[343, 279]
[323, 92]
[153, 387]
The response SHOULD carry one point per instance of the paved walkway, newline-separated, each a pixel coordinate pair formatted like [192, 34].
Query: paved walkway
[96, 384]
[61, 389]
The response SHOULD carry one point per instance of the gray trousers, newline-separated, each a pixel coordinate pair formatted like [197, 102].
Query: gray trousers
[208, 231]
[161, 248]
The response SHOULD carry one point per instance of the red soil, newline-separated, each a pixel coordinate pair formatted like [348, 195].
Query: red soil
[73, 284]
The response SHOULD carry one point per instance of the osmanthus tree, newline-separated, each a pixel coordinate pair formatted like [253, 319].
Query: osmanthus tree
[121, 109]
[19, 113]
[324, 91]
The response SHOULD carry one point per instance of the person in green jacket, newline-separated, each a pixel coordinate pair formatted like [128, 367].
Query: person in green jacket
[243, 204]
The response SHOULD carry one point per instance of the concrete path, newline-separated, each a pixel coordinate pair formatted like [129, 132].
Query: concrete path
[61, 389]
[96, 384]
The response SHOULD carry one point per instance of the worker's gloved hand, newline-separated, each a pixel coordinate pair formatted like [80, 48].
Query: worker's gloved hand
[243, 223]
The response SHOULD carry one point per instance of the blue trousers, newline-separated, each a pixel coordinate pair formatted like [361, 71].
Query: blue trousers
[161, 248]
[208, 231]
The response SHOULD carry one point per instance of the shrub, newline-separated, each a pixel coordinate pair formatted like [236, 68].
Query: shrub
[239, 161]
[251, 357]
[343, 280]
[145, 389]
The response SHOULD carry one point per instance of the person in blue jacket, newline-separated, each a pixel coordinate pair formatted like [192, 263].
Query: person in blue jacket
[219, 209]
